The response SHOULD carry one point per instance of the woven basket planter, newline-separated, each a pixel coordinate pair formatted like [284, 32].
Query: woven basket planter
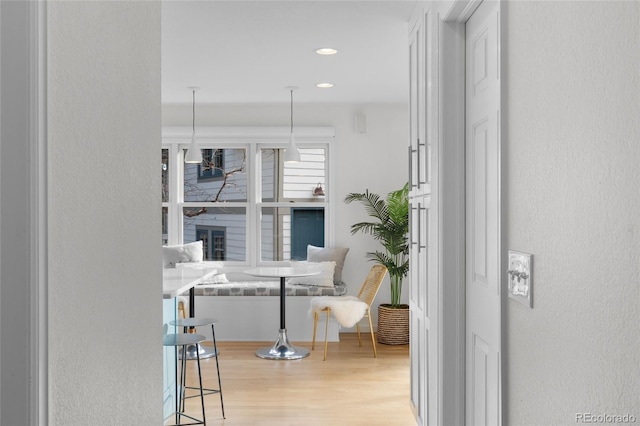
[393, 325]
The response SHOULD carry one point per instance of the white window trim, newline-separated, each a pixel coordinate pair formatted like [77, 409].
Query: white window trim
[175, 139]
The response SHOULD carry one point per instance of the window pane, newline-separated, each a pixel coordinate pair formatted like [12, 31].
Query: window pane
[275, 228]
[286, 232]
[165, 175]
[165, 226]
[270, 162]
[293, 181]
[300, 179]
[223, 231]
[220, 177]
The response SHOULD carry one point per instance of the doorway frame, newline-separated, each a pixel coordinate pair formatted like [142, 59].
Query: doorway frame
[452, 190]
[30, 64]
[39, 410]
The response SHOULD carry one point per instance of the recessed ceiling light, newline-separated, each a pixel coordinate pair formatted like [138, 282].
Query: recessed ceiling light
[326, 51]
[324, 85]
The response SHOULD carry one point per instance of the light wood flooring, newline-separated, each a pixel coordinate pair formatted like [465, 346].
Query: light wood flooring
[351, 388]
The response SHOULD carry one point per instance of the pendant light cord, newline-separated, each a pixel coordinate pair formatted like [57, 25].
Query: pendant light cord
[193, 115]
[291, 111]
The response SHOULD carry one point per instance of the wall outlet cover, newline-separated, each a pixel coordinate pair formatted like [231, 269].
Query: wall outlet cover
[520, 277]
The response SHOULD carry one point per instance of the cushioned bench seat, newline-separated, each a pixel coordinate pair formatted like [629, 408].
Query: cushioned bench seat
[267, 288]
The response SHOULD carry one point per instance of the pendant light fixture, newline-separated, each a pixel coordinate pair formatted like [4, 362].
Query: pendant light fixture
[291, 153]
[194, 154]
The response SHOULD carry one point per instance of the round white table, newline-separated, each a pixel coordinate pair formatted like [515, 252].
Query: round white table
[282, 349]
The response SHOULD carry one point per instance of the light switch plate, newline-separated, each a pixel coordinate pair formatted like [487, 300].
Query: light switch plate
[520, 277]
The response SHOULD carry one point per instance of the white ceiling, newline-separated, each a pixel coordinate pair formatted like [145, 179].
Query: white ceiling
[249, 51]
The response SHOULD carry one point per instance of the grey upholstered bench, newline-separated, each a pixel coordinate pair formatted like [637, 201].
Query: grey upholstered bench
[266, 288]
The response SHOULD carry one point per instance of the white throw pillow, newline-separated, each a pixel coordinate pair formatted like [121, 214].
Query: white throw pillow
[335, 254]
[323, 279]
[190, 252]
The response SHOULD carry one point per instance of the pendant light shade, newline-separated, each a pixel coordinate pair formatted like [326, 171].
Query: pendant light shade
[194, 154]
[291, 153]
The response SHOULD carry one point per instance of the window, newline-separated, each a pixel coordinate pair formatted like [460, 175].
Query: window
[212, 164]
[287, 193]
[244, 202]
[165, 195]
[165, 175]
[213, 242]
[165, 226]
[230, 221]
[229, 183]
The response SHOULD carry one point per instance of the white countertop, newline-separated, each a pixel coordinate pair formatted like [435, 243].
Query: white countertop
[176, 281]
[278, 272]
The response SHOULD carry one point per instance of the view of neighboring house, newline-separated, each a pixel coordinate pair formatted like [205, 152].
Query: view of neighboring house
[221, 208]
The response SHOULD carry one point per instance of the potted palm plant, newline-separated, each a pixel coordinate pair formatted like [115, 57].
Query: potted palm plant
[391, 228]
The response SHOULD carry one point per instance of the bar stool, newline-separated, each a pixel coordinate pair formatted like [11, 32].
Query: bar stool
[183, 340]
[187, 323]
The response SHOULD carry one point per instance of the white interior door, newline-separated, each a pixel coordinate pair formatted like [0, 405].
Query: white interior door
[482, 141]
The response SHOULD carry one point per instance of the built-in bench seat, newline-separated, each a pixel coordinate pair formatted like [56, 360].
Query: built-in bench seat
[266, 288]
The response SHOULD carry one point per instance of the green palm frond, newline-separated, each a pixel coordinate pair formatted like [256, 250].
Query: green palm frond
[400, 269]
[374, 205]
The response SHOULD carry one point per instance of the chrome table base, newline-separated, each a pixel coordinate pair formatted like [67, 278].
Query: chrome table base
[282, 349]
[205, 352]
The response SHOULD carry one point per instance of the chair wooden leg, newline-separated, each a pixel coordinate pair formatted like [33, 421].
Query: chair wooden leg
[358, 333]
[326, 333]
[373, 339]
[315, 325]
[181, 311]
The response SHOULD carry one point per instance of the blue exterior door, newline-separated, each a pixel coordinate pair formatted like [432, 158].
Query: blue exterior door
[307, 227]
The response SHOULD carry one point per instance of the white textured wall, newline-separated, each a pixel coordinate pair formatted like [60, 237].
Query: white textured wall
[105, 301]
[572, 177]
[376, 160]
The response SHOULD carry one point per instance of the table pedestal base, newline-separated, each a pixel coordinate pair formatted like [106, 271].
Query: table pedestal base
[282, 349]
[205, 352]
